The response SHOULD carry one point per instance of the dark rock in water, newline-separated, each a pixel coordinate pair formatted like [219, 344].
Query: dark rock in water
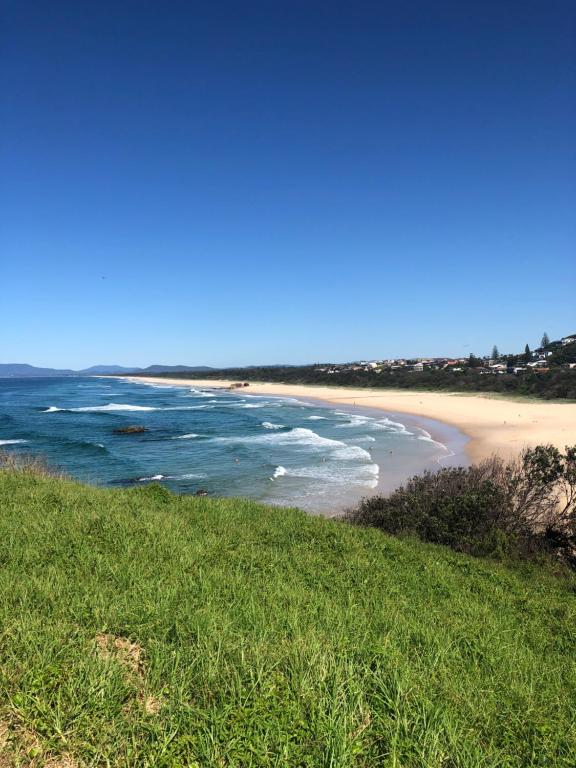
[201, 492]
[133, 430]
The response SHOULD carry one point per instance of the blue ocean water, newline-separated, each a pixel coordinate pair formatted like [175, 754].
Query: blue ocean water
[278, 450]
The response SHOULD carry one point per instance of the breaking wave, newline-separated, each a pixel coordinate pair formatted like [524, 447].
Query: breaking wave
[427, 438]
[200, 393]
[188, 476]
[119, 407]
[366, 474]
[394, 426]
[371, 422]
[101, 408]
[300, 436]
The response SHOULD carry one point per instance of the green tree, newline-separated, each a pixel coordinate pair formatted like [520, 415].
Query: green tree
[473, 361]
[545, 340]
[527, 354]
[495, 354]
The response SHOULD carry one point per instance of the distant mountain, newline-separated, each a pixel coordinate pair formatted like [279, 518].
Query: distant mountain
[174, 368]
[18, 370]
[22, 370]
[103, 369]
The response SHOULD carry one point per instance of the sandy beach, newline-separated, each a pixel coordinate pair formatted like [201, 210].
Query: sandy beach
[493, 425]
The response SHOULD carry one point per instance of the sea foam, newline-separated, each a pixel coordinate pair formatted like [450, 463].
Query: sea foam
[300, 436]
[118, 407]
[101, 408]
[331, 474]
[427, 438]
[187, 476]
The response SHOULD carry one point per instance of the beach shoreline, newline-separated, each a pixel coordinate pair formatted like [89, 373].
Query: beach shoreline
[493, 426]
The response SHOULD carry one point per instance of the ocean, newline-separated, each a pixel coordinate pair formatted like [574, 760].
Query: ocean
[277, 450]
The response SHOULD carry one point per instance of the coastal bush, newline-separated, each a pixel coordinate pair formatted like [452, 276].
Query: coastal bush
[140, 628]
[521, 507]
[556, 384]
[21, 462]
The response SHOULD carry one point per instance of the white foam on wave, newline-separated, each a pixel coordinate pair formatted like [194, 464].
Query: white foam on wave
[355, 421]
[162, 386]
[371, 422]
[228, 404]
[279, 400]
[187, 476]
[316, 418]
[186, 408]
[12, 442]
[365, 474]
[271, 425]
[236, 404]
[279, 472]
[189, 436]
[256, 405]
[393, 426]
[102, 408]
[305, 438]
[295, 401]
[117, 407]
[427, 438]
[199, 393]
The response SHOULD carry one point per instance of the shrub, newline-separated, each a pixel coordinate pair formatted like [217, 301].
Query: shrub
[558, 383]
[34, 465]
[523, 507]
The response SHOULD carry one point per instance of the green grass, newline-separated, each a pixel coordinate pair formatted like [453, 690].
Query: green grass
[267, 638]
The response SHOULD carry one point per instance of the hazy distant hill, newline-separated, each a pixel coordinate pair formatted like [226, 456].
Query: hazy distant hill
[17, 370]
[95, 369]
[22, 370]
[174, 368]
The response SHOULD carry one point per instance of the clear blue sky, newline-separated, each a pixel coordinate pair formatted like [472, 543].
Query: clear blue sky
[285, 181]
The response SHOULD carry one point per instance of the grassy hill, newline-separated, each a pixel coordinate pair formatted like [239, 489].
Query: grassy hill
[144, 629]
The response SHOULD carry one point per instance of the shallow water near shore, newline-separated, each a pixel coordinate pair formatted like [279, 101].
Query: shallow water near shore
[279, 450]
